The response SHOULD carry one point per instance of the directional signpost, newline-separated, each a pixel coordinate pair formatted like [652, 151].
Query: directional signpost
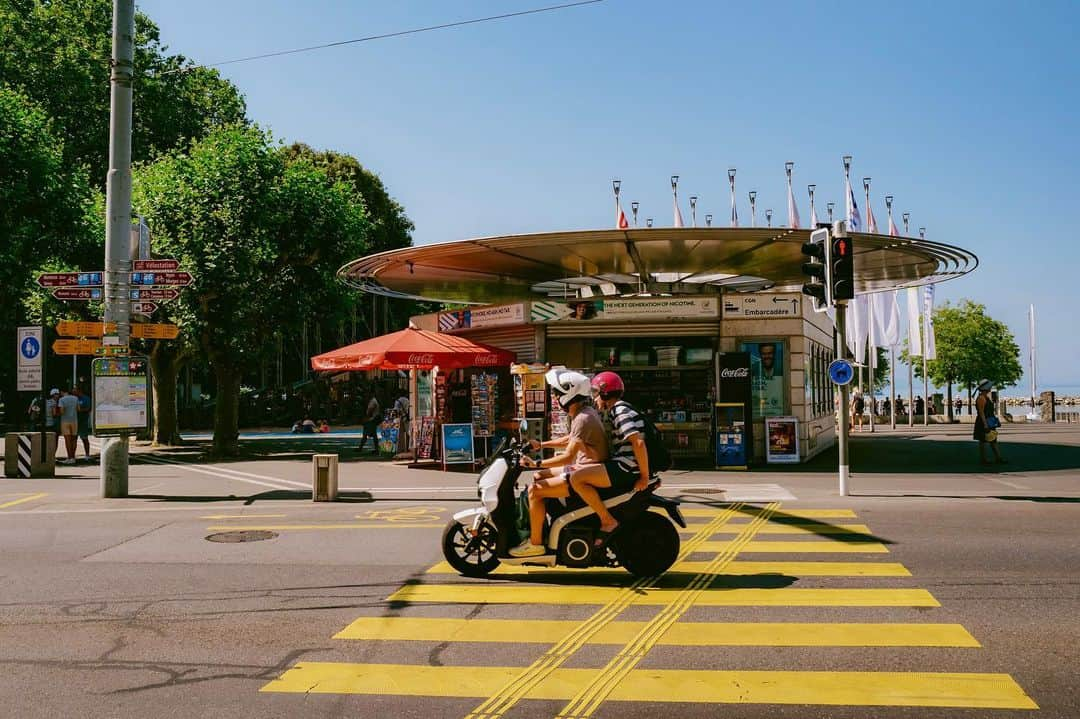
[77, 293]
[147, 279]
[160, 331]
[164, 265]
[143, 308]
[144, 294]
[71, 279]
[75, 347]
[68, 328]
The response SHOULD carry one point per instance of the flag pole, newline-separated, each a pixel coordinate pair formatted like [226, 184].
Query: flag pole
[753, 208]
[734, 211]
[872, 348]
[892, 387]
[925, 344]
[615, 185]
[634, 208]
[813, 212]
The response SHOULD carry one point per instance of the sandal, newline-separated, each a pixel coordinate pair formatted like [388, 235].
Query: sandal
[602, 537]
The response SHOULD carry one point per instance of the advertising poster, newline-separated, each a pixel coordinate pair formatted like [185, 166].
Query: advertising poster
[731, 439]
[617, 309]
[782, 440]
[457, 441]
[767, 377]
[500, 316]
[121, 395]
[425, 445]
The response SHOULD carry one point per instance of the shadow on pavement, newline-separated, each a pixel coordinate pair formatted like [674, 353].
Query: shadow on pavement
[277, 494]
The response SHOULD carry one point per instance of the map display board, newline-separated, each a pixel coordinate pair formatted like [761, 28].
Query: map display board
[121, 395]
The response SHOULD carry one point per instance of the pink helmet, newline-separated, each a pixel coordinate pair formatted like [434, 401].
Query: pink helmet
[607, 382]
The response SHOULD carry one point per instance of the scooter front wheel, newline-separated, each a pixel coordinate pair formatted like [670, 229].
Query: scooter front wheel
[473, 556]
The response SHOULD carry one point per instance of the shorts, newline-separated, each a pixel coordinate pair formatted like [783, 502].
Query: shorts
[69, 429]
[620, 478]
[84, 429]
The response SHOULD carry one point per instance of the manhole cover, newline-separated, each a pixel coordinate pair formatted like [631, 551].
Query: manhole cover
[252, 535]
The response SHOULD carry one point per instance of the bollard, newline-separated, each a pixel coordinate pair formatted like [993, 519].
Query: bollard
[23, 455]
[324, 477]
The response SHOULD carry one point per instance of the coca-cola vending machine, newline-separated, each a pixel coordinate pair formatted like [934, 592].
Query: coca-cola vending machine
[733, 420]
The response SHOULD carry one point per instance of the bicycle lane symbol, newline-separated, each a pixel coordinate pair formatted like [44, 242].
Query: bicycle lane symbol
[405, 514]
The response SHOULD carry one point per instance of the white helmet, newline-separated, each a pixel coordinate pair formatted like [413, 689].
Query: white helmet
[568, 385]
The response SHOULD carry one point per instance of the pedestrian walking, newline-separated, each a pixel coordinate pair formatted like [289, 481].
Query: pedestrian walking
[987, 424]
[68, 409]
[372, 416]
[858, 406]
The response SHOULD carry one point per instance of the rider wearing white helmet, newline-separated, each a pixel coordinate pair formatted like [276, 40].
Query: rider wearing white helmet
[586, 444]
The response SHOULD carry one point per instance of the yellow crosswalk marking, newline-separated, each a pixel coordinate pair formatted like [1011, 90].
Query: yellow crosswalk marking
[30, 498]
[806, 529]
[701, 634]
[791, 569]
[776, 518]
[553, 594]
[824, 546]
[914, 689]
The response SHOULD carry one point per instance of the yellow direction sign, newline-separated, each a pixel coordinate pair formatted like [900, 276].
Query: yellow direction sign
[76, 347]
[70, 328]
[159, 331]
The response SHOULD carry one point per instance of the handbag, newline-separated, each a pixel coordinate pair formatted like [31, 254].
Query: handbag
[992, 422]
[991, 436]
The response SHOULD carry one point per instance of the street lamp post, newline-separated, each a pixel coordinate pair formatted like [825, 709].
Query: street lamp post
[830, 207]
[813, 212]
[708, 220]
[768, 217]
[907, 219]
[615, 185]
[734, 212]
[753, 208]
[648, 222]
[634, 209]
[693, 210]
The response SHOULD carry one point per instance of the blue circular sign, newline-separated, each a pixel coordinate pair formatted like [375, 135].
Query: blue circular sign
[30, 348]
[841, 371]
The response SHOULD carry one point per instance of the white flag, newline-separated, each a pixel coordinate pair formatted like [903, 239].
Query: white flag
[853, 219]
[871, 221]
[678, 214]
[620, 217]
[886, 319]
[914, 319]
[928, 322]
[813, 217]
[893, 230]
[792, 209]
[857, 329]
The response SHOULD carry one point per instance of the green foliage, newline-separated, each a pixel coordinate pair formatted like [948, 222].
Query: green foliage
[263, 237]
[971, 346]
[58, 54]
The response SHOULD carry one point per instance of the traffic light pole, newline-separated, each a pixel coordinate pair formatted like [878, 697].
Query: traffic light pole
[841, 347]
[114, 450]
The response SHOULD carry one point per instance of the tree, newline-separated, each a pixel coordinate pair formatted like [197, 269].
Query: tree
[971, 346]
[45, 208]
[58, 54]
[263, 237]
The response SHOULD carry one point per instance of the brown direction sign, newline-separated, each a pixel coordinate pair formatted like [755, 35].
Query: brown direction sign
[160, 331]
[77, 293]
[143, 308]
[75, 347]
[162, 265]
[69, 328]
[154, 294]
[71, 279]
[149, 279]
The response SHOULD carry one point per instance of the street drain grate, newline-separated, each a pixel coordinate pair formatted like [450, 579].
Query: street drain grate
[251, 535]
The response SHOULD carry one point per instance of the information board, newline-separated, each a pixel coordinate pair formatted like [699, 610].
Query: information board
[121, 395]
[457, 442]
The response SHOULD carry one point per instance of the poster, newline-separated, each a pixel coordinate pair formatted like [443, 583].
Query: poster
[121, 395]
[767, 378]
[425, 444]
[731, 438]
[485, 403]
[457, 441]
[782, 440]
[662, 309]
[475, 318]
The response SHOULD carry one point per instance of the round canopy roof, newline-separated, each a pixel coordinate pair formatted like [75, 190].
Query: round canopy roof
[638, 262]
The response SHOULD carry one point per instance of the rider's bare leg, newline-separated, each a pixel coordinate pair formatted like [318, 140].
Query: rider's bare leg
[539, 490]
[587, 481]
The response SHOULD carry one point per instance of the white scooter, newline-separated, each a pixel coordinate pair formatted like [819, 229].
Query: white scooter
[477, 540]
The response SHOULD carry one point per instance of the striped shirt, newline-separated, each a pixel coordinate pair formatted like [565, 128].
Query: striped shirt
[625, 423]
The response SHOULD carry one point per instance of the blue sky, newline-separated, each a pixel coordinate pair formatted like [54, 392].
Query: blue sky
[965, 112]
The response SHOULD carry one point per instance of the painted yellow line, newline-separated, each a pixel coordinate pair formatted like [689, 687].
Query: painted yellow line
[308, 527]
[243, 516]
[914, 689]
[690, 634]
[825, 546]
[652, 596]
[793, 569]
[31, 498]
[519, 685]
[777, 518]
[802, 529]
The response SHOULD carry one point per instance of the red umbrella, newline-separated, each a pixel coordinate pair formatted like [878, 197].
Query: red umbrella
[413, 349]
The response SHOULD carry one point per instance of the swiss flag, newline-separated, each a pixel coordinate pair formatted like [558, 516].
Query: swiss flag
[620, 221]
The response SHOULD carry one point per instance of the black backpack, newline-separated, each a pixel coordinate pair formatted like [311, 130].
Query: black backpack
[659, 456]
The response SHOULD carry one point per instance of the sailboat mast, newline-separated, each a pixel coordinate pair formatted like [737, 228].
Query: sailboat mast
[1031, 357]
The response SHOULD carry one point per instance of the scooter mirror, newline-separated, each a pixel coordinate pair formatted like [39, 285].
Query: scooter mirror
[523, 426]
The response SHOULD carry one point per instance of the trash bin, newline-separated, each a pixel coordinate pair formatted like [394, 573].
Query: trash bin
[22, 455]
[324, 477]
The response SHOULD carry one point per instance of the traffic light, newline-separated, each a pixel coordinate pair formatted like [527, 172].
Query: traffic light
[817, 268]
[842, 262]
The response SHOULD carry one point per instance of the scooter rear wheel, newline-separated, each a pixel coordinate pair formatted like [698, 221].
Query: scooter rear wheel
[648, 546]
[472, 556]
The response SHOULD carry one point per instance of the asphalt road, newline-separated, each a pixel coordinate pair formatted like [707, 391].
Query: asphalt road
[948, 593]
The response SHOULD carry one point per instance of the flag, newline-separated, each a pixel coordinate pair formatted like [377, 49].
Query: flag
[928, 322]
[853, 219]
[914, 319]
[620, 219]
[792, 209]
[678, 213]
[886, 331]
[857, 328]
[871, 221]
[893, 230]
[813, 215]
[734, 211]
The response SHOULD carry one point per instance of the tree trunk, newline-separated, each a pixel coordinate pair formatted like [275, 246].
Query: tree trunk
[969, 398]
[226, 410]
[165, 366]
[948, 390]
